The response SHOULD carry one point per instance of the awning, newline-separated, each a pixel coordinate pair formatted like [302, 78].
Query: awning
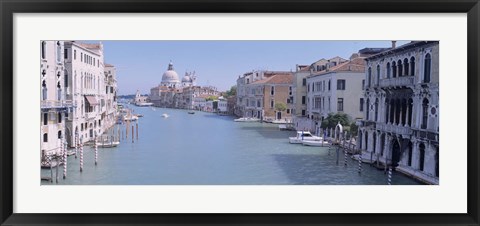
[91, 100]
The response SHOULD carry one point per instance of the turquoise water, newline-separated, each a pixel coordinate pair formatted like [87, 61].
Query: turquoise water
[207, 149]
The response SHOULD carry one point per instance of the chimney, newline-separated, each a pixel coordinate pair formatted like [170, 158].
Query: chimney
[394, 44]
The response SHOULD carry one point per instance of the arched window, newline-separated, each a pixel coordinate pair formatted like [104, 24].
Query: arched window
[59, 52]
[412, 66]
[59, 134]
[378, 74]
[422, 157]
[424, 113]
[44, 49]
[400, 69]
[405, 66]
[368, 109]
[388, 70]
[427, 69]
[59, 91]
[45, 137]
[369, 79]
[65, 78]
[44, 90]
[394, 69]
[59, 117]
[376, 109]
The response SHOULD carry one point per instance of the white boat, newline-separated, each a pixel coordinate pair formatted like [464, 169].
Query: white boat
[165, 115]
[303, 135]
[318, 143]
[108, 144]
[131, 118]
[246, 120]
[143, 104]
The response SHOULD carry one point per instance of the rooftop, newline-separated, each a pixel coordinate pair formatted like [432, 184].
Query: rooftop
[276, 79]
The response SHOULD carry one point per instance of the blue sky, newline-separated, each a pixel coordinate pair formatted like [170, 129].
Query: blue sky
[141, 64]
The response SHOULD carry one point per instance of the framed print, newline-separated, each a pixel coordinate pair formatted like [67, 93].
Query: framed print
[255, 113]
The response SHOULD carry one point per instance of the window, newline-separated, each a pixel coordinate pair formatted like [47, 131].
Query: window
[340, 104]
[65, 52]
[59, 134]
[341, 84]
[59, 52]
[378, 74]
[45, 137]
[367, 110]
[369, 77]
[303, 112]
[376, 110]
[59, 117]
[422, 157]
[388, 70]
[81, 57]
[288, 111]
[258, 103]
[424, 113]
[45, 119]
[248, 80]
[426, 73]
[304, 82]
[394, 69]
[405, 66]
[361, 104]
[44, 90]
[290, 90]
[329, 84]
[272, 103]
[303, 99]
[412, 66]
[74, 54]
[44, 49]
[93, 61]
[308, 88]
[400, 68]
[363, 84]
[323, 86]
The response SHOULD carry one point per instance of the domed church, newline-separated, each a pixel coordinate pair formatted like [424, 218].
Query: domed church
[170, 77]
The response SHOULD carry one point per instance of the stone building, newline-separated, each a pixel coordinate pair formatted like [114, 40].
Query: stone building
[111, 90]
[84, 68]
[401, 101]
[336, 89]
[54, 107]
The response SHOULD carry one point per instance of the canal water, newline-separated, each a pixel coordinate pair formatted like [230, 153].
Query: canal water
[208, 149]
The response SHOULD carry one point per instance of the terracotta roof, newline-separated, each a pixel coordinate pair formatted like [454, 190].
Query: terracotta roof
[354, 65]
[276, 79]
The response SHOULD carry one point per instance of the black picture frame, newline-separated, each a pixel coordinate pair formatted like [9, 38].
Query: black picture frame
[10, 7]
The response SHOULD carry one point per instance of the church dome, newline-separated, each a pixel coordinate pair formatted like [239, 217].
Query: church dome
[187, 78]
[170, 76]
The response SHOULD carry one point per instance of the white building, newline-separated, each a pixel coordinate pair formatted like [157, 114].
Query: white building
[336, 89]
[402, 110]
[53, 105]
[111, 91]
[84, 68]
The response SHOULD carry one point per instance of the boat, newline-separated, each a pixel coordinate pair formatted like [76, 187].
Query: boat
[108, 144]
[191, 112]
[319, 143]
[246, 120]
[139, 115]
[130, 118]
[303, 135]
[165, 115]
[143, 104]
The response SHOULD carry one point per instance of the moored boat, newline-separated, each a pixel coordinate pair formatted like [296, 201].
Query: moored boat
[246, 120]
[319, 143]
[303, 135]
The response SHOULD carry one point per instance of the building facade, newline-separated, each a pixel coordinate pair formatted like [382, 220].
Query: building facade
[54, 107]
[337, 89]
[401, 118]
[86, 89]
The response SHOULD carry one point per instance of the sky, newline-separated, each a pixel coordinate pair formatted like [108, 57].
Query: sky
[141, 64]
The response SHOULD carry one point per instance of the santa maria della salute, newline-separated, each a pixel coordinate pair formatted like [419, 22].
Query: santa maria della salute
[173, 93]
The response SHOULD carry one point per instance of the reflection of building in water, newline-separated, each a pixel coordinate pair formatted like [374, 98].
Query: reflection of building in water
[175, 94]
[402, 110]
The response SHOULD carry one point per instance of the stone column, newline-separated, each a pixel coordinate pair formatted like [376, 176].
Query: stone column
[415, 155]
[400, 121]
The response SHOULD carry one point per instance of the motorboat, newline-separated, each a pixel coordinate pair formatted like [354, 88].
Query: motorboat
[319, 143]
[164, 115]
[108, 144]
[130, 118]
[191, 112]
[246, 120]
[303, 135]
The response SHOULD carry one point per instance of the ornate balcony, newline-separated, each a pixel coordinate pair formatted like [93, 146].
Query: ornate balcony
[46, 105]
[397, 82]
[391, 128]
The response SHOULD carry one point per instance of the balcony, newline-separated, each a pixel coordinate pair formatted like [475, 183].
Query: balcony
[390, 128]
[46, 105]
[426, 135]
[398, 82]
